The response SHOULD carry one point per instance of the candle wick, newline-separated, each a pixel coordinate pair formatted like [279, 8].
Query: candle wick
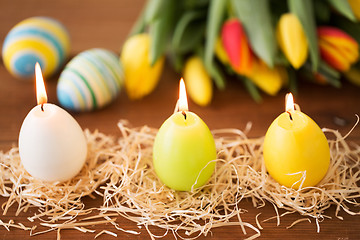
[183, 113]
[290, 115]
[42, 107]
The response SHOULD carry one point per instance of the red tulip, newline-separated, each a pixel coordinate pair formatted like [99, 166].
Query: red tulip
[337, 48]
[237, 46]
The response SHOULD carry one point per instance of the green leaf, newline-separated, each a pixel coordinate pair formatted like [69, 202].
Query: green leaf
[292, 80]
[153, 9]
[331, 75]
[329, 71]
[322, 11]
[217, 75]
[194, 4]
[139, 25]
[177, 61]
[335, 82]
[344, 8]
[252, 89]
[160, 30]
[256, 18]
[280, 59]
[188, 32]
[304, 11]
[216, 13]
[213, 69]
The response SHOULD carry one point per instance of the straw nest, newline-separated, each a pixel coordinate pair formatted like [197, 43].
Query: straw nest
[120, 172]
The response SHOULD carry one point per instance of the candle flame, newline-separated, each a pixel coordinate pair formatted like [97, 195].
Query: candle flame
[183, 104]
[289, 102]
[40, 86]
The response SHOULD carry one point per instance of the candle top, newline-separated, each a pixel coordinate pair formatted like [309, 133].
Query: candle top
[40, 86]
[292, 119]
[180, 120]
[45, 110]
[289, 102]
[183, 104]
[297, 122]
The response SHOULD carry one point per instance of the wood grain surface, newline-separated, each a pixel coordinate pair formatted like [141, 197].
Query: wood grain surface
[106, 24]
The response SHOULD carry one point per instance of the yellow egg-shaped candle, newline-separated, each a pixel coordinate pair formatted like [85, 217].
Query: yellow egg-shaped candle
[184, 150]
[296, 151]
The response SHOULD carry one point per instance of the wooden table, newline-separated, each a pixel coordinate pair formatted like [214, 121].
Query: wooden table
[106, 24]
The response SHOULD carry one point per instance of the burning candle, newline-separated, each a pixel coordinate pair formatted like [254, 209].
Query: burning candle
[296, 151]
[184, 149]
[52, 145]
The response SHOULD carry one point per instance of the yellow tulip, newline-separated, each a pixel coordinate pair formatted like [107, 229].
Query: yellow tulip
[353, 75]
[268, 79]
[292, 39]
[355, 6]
[198, 82]
[220, 52]
[140, 77]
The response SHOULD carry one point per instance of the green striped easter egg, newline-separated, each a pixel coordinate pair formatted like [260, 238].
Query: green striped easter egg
[91, 80]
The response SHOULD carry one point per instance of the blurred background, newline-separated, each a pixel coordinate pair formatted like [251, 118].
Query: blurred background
[107, 24]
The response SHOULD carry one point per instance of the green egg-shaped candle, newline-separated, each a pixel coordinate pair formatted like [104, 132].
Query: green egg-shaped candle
[184, 151]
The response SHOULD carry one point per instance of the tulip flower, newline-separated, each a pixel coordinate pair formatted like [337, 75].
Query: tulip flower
[353, 75]
[237, 46]
[268, 79]
[220, 52]
[198, 82]
[292, 39]
[320, 78]
[354, 4]
[140, 77]
[337, 48]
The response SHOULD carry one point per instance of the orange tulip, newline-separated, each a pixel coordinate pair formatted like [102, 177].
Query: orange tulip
[237, 46]
[337, 48]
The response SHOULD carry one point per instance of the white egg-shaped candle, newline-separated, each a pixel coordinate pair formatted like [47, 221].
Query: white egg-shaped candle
[52, 145]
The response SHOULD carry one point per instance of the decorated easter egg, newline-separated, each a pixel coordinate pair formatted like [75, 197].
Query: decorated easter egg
[90, 80]
[37, 39]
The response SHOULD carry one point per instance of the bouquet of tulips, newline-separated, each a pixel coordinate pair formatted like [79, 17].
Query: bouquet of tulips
[264, 43]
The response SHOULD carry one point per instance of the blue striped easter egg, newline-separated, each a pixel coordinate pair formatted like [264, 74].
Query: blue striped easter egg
[90, 80]
[36, 39]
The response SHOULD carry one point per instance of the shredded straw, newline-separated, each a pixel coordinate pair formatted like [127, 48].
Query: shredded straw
[120, 172]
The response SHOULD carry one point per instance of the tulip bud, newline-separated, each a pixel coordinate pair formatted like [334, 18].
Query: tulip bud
[268, 79]
[220, 52]
[353, 75]
[140, 77]
[198, 82]
[237, 47]
[354, 4]
[337, 48]
[320, 78]
[292, 39]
